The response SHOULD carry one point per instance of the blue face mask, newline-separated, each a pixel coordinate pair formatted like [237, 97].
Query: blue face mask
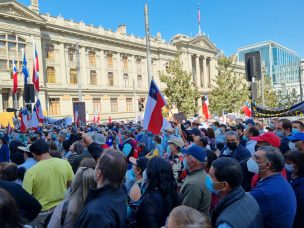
[279, 134]
[246, 138]
[210, 185]
[295, 130]
[289, 167]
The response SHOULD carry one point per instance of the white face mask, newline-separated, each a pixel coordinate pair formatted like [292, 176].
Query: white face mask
[289, 167]
[292, 146]
[253, 166]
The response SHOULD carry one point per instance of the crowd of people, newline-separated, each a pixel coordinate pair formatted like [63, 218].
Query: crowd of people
[242, 174]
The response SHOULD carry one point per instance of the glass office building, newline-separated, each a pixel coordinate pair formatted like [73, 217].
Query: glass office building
[281, 63]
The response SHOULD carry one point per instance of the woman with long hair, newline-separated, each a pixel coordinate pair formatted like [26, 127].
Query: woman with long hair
[67, 212]
[9, 216]
[160, 196]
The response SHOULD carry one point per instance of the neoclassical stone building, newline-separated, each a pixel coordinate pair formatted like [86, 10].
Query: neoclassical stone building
[113, 65]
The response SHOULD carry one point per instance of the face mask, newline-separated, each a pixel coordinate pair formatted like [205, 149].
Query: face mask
[279, 134]
[253, 166]
[295, 130]
[231, 145]
[256, 147]
[292, 146]
[289, 168]
[246, 138]
[210, 185]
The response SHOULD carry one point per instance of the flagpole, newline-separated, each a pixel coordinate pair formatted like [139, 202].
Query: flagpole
[147, 29]
[134, 99]
[14, 93]
[199, 19]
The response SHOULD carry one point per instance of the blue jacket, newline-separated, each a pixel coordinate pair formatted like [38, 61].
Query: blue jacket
[298, 187]
[276, 200]
[4, 153]
[104, 207]
[284, 147]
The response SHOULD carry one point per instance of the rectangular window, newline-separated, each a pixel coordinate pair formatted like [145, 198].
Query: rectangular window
[3, 64]
[50, 52]
[96, 105]
[72, 54]
[5, 97]
[110, 79]
[125, 63]
[93, 77]
[2, 46]
[139, 81]
[73, 76]
[51, 75]
[129, 102]
[126, 80]
[11, 46]
[114, 105]
[92, 59]
[54, 104]
[11, 37]
[110, 61]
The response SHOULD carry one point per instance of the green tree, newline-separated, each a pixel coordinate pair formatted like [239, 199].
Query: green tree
[288, 98]
[270, 96]
[229, 91]
[180, 92]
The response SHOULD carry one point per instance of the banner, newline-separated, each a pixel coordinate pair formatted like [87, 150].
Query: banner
[261, 112]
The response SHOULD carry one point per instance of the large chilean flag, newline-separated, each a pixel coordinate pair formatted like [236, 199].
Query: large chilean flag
[153, 119]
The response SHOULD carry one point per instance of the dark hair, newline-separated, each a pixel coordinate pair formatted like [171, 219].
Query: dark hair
[254, 131]
[204, 140]
[229, 170]
[88, 162]
[211, 156]
[66, 144]
[286, 124]
[157, 139]
[9, 216]
[3, 140]
[52, 144]
[211, 133]
[205, 131]
[8, 171]
[297, 157]
[274, 156]
[216, 124]
[39, 147]
[161, 178]
[113, 166]
[300, 123]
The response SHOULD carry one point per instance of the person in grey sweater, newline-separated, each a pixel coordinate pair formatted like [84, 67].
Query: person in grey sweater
[236, 209]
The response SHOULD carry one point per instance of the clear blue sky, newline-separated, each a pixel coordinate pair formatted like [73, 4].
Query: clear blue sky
[229, 23]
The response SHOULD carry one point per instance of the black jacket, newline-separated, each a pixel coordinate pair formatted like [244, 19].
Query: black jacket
[104, 207]
[151, 212]
[28, 206]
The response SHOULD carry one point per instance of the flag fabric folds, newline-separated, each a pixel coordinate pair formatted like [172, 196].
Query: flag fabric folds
[247, 109]
[15, 77]
[38, 111]
[153, 119]
[206, 107]
[35, 78]
[24, 68]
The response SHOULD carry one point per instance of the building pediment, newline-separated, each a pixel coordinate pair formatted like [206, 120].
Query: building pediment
[13, 9]
[203, 42]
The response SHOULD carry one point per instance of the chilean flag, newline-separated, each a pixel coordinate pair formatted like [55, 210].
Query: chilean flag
[110, 120]
[153, 119]
[36, 70]
[39, 111]
[25, 120]
[76, 115]
[98, 118]
[15, 77]
[206, 107]
[247, 109]
[34, 119]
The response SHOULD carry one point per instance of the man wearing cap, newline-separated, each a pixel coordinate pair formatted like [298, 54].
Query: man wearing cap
[29, 160]
[296, 141]
[240, 130]
[48, 180]
[177, 160]
[193, 192]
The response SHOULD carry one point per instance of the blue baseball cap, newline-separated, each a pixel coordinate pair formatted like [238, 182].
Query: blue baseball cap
[296, 137]
[250, 121]
[197, 152]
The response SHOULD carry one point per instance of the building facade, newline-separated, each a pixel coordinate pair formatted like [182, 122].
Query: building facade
[113, 64]
[281, 63]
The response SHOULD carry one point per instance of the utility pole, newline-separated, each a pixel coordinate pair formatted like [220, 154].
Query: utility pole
[78, 73]
[149, 68]
[300, 82]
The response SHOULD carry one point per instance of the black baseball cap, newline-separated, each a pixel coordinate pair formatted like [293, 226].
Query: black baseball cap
[141, 162]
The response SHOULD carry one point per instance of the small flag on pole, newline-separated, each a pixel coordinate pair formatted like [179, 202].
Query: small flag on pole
[206, 107]
[15, 77]
[24, 68]
[38, 109]
[36, 69]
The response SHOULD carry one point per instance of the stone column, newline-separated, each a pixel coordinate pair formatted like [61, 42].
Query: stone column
[83, 68]
[198, 72]
[1, 105]
[205, 77]
[190, 66]
[61, 75]
[101, 77]
[119, 77]
[134, 72]
[212, 70]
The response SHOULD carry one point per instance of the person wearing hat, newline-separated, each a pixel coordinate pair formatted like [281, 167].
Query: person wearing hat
[296, 141]
[194, 135]
[194, 192]
[139, 166]
[48, 180]
[176, 160]
[196, 123]
[29, 160]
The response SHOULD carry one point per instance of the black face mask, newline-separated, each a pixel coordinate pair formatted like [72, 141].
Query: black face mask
[231, 145]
